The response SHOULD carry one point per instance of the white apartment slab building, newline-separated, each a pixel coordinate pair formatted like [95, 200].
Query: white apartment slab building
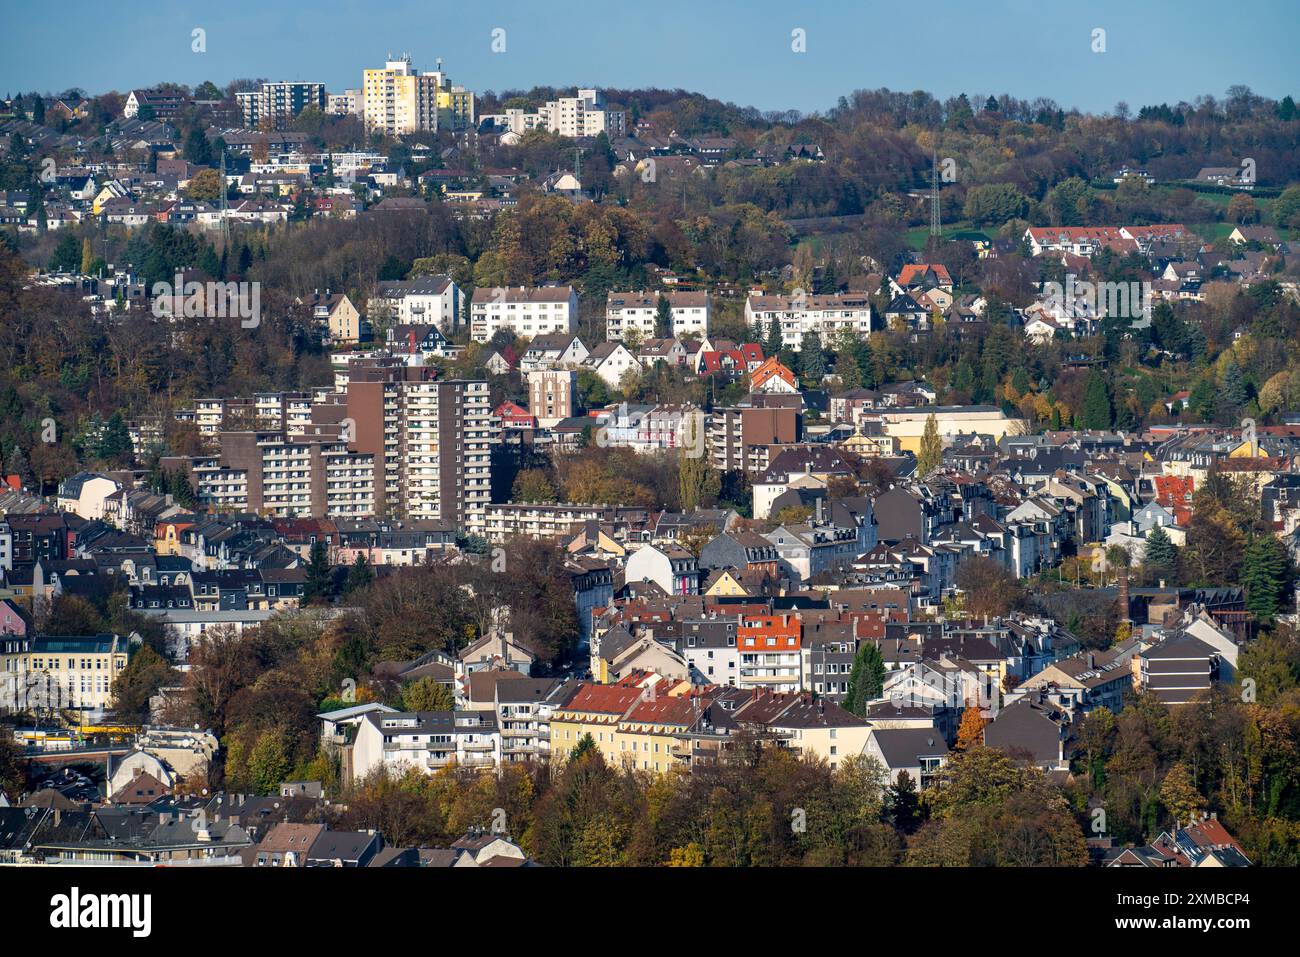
[427, 740]
[828, 315]
[635, 313]
[527, 311]
[583, 115]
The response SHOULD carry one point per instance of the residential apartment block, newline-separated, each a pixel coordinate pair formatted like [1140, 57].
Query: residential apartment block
[60, 672]
[526, 311]
[829, 316]
[427, 740]
[583, 115]
[393, 441]
[742, 438]
[425, 300]
[398, 99]
[551, 395]
[276, 103]
[629, 313]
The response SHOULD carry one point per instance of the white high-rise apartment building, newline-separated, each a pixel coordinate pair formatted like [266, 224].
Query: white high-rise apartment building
[446, 451]
[581, 115]
[395, 441]
[279, 102]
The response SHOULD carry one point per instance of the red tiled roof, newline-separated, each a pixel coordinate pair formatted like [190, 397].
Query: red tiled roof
[604, 699]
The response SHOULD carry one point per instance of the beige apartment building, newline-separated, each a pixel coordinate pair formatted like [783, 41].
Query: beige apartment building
[551, 395]
[61, 672]
[399, 99]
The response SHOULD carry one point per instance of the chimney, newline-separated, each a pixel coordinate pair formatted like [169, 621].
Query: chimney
[1123, 596]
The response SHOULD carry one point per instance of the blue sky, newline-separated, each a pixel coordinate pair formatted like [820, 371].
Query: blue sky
[1156, 51]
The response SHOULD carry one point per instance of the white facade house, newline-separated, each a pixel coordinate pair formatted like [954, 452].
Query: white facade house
[828, 316]
[671, 567]
[611, 361]
[629, 313]
[85, 493]
[426, 300]
[427, 740]
[526, 311]
[561, 351]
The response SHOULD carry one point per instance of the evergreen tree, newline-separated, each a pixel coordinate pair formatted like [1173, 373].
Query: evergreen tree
[66, 256]
[208, 263]
[773, 343]
[902, 805]
[866, 680]
[115, 439]
[178, 484]
[197, 148]
[812, 358]
[1232, 391]
[320, 575]
[1267, 575]
[359, 575]
[36, 205]
[1161, 559]
[1203, 400]
[1097, 412]
[931, 455]
[663, 318]
[586, 745]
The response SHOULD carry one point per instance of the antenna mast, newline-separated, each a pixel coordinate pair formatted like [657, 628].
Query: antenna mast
[225, 217]
[936, 228]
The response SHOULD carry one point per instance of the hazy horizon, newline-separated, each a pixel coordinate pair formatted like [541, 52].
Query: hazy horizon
[740, 54]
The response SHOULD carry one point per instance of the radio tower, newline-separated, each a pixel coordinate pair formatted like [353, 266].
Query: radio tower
[936, 229]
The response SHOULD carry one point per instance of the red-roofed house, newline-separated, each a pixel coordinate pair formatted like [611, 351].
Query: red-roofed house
[772, 376]
[514, 416]
[925, 276]
[770, 652]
